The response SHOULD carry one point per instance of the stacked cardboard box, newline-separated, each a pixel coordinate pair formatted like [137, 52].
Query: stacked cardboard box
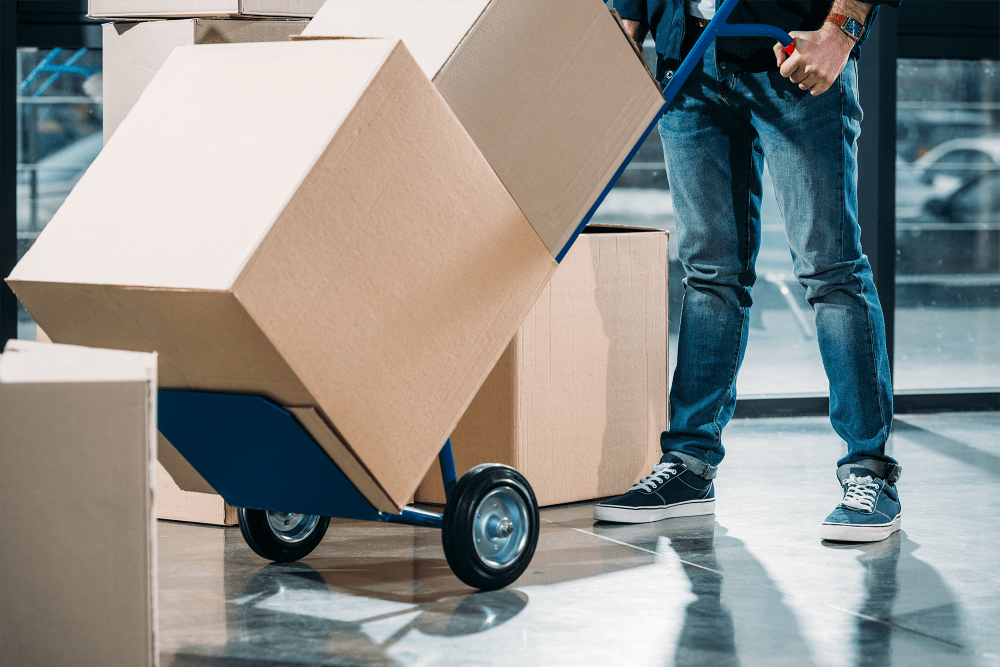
[578, 400]
[316, 222]
[79, 443]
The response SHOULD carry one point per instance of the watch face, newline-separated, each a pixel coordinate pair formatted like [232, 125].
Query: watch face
[853, 27]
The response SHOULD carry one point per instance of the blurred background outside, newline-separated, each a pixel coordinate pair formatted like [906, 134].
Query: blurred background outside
[947, 220]
[947, 235]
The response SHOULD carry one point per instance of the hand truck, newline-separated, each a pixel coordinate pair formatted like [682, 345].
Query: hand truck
[262, 461]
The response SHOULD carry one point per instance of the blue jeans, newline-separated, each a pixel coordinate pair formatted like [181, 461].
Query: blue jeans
[715, 136]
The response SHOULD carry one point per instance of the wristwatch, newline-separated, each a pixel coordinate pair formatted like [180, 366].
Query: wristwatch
[853, 29]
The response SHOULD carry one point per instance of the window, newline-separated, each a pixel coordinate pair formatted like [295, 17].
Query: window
[947, 225]
[59, 135]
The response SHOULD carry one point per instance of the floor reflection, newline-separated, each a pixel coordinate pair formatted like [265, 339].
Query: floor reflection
[733, 620]
[291, 612]
[891, 569]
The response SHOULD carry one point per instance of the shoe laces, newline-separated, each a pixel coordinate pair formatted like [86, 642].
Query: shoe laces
[661, 473]
[860, 493]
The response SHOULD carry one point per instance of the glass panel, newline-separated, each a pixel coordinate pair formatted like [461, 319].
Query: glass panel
[782, 356]
[59, 108]
[948, 225]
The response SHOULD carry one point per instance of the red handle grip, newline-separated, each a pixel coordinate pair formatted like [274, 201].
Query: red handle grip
[790, 49]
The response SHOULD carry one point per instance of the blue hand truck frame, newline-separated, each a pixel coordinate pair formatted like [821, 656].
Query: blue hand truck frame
[259, 458]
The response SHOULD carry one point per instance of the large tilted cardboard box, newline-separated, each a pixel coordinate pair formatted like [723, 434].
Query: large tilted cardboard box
[148, 9]
[314, 226]
[578, 400]
[134, 52]
[550, 90]
[78, 545]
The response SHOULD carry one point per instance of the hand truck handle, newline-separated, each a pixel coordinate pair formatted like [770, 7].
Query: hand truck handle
[718, 27]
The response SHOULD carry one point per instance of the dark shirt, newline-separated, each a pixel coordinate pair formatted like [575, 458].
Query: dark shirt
[665, 20]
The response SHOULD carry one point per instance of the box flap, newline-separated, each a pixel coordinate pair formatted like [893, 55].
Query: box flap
[180, 197]
[607, 228]
[431, 29]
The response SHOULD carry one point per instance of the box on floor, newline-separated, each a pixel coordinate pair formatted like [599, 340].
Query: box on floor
[153, 9]
[551, 92]
[197, 502]
[205, 230]
[578, 400]
[79, 443]
[134, 52]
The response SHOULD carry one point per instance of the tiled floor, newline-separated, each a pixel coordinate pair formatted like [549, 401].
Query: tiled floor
[752, 585]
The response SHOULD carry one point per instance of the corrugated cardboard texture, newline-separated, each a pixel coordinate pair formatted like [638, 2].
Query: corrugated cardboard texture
[79, 583]
[315, 227]
[551, 92]
[578, 400]
[174, 503]
[134, 52]
[112, 9]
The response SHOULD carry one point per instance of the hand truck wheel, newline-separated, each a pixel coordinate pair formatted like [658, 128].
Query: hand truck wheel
[490, 526]
[280, 536]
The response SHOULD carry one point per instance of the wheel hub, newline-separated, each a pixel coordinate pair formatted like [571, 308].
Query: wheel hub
[500, 529]
[292, 528]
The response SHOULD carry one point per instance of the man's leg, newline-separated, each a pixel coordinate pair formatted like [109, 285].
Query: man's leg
[714, 166]
[811, 145]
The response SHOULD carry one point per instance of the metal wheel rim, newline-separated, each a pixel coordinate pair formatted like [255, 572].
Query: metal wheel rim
[292, 528]
[503, 509]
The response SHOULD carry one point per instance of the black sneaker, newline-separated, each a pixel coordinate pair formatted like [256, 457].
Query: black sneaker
[671, 490]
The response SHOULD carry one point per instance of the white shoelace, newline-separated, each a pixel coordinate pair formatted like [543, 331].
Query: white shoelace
[661, 473]
[860, 493]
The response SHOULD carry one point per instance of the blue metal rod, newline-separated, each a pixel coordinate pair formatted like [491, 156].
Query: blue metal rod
[411, 516]
[448, 475]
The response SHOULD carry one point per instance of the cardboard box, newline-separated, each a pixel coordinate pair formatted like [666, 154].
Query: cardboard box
[176, 504]
[314, 226]
[551, 92]
[153, 9]
[134, 52]
[578, 400]
[78, 551]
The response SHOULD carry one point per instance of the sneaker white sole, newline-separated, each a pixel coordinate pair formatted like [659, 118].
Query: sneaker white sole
[847, 532]
[647, 515]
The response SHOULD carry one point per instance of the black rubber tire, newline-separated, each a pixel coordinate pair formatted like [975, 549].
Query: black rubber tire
[458, 531]
[265, 542]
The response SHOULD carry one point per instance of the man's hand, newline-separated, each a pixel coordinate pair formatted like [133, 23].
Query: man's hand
[820, 56]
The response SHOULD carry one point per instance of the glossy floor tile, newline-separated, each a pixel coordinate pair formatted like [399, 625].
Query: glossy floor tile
[751, 585]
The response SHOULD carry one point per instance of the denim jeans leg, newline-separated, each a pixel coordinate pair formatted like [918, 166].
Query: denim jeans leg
[714, 166]
[810, 143]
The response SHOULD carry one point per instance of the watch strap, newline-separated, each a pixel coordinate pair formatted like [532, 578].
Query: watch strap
[850, 26]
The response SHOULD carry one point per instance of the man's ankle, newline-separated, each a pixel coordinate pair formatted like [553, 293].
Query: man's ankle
[694, 464]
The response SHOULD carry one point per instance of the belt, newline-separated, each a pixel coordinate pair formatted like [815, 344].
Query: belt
[701, 23]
